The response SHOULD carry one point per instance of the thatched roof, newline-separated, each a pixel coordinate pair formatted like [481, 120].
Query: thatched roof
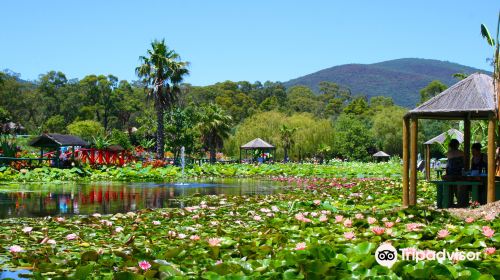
[54, 140]
[473, 96]
[456, 134]
[381, 154]
[257, 143]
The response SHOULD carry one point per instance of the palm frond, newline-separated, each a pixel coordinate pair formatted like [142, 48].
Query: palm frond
[486, 34]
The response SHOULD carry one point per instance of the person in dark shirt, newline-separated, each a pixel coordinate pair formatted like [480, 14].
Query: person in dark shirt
[479, 160]
[454, 168]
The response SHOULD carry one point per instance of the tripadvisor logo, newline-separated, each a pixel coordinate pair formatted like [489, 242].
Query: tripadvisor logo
[386, 255]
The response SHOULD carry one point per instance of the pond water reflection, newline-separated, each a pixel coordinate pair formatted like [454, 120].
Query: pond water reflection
[29, 200]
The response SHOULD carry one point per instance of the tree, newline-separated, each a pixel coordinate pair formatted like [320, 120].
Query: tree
[386, 129]
[161, 72]
[286, 134]
[432, 89]
[496, 55]
[180, 130]
[214, 127]
[86, 129]
[55, 124]
[352, 137]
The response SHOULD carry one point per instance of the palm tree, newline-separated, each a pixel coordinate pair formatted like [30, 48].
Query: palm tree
[214, 126]
[496, 61]
[286, 134]
[162, 71]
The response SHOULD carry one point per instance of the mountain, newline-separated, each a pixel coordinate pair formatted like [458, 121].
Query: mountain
[401, 79]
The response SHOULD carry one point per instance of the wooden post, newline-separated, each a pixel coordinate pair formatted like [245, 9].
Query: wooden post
[413, 162]
[491, 160]
[428, 162]
[467, 143]
[406, 161]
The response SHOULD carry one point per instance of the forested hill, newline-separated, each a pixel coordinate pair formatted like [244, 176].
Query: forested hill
[401, 79]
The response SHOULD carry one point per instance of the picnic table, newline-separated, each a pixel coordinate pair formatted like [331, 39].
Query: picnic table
[477, 184]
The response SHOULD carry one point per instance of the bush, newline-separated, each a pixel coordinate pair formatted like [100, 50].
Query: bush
[55, 124]
[86, 129]
[120, 138]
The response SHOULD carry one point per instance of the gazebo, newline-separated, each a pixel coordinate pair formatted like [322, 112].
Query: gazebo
[472, 98]
[256, 144]
[453, 133]
[381, 155]
[56, 141]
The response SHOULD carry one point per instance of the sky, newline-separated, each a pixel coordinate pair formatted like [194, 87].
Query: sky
[238, 40]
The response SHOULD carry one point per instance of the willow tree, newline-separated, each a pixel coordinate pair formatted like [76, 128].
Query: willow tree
[496, 62]
[162, 71]
[286, 135]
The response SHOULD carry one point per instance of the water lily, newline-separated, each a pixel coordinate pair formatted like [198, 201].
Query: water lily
[71, 236]
[349, 235]
[181, 236]
[194, 237]
[442, 234]
[469, 220]
[348, 223]
[51, 242]
[27, 229]
[118, 229]
[490, 217]
[16, 249]
[378, 230]
[490, 250]
[257, 218]
[213, 242]
[144, 265]
[389, 224]
[317, 202]
[359, 216]
[339, 218]
[156, 223]
[371, 220]
[275, 208]
[413, 226]
[323, 218]
[300, 246]
[488, 232]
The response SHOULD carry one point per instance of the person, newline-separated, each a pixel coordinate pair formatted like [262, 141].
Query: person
[479, 160]
[454, 168]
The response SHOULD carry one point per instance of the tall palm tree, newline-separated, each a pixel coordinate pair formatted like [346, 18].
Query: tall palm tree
[162, 71]
[496, 56]
[286, 135]
[214, 126]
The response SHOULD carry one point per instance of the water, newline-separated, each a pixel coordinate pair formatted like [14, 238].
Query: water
[35, 200]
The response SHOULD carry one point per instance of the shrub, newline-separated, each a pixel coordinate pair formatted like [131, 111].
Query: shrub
[86, 129]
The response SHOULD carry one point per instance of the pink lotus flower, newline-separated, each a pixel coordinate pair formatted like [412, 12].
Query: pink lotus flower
[257, 218]
[339, 218]
[317, 202]
[413, 226]
[213, 242]
[71, 236]
[172, 233]
[181, 236]
[323, 218]
[275, 209]
[348, 223]
[389, 224]
[194, 237]
[195, 217]
[15, 249]
[490, 217]
[51, 242]
[359, 216]
[300, 246]
[118, 229]
[156, 223]
[270, 214]
[469, 220]
[27, 229]
[490, 250]
[349, 235]
[314, 214]
[218, 262]
[378, 230]
[371, 220]
[60, 219]
[488, 232]
[96, 215]
[144, 265]
[265, 210]
[442, 234]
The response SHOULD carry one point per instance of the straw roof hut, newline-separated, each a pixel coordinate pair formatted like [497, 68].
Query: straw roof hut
[256, 144]
[472, 98]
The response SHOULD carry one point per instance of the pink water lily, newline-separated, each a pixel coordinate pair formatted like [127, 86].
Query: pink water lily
[257, 218]
[300, 246]
[71, 236]
[469, 220]
[371, 220]
[118, 229]
[490, 217]
[359, 216]
[378, 230]
[214, 242]
[389, 224]
[323, 218]
[317, 202]
[348, 223]
[144, 265]
[15, 249]
[442, 234]
[490, 250]
[156, 223]
[413, 226]
[488, 232]
[27, 229]
[339, 218]
[51, 242]
[194, 237]
[349, 235]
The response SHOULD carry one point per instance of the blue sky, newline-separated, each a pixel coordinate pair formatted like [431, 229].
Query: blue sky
[239, 40]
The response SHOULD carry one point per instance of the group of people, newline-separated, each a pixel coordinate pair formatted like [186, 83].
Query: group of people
[455, 169]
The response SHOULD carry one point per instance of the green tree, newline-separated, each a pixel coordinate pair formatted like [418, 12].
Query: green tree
[55, 124]
[87, 129]
[180, 130]
[432, 89]
[352, 137]
[214, 126]
[286, 134]
[387, 129]
[358, 106]
[162, 71]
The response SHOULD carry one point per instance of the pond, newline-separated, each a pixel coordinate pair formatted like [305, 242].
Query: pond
[39, 200]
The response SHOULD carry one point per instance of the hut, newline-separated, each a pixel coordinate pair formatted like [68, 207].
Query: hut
[472, 98]
[381, 155]
[453, 133]
[256, 144]
[56, 141]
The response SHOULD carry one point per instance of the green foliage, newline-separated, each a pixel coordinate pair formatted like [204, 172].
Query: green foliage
[432, 89]
[86, 129]
[386, 129]
[55, 124]
[181, 131]
[353, 138]
[214, 126]
[100, 142]
[4, 115]
[121, 138]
